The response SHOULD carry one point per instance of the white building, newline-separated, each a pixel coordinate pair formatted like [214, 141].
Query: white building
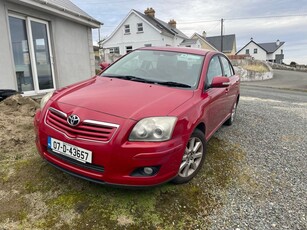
[272, 51]
[42, 44]
[141, 30]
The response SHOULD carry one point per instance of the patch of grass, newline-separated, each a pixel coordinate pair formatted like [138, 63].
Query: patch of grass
[73, 203]
[256, 68]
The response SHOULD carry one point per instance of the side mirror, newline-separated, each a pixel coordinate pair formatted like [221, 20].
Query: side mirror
[220, 82]
[104, 65]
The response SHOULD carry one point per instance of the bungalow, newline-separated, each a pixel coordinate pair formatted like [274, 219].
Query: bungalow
[140, 30]
[271, 51]
[44, 45]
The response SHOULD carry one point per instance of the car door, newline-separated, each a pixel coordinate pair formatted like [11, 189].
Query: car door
[232, 90]
[215, 110]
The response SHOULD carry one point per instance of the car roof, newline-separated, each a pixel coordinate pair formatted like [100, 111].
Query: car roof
[202, 52]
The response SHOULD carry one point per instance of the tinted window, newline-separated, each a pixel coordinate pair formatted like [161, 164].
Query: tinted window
[213, 70]
[226, 67]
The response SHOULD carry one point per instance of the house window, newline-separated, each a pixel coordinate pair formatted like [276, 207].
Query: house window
[147, 45]
[247, 51]
[127, 29]
[282, 51]
[140, 27]
[128, 49]
[32, 54]
[255, 51]
[114, 50]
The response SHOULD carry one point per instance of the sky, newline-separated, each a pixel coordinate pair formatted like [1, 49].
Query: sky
[262, 20]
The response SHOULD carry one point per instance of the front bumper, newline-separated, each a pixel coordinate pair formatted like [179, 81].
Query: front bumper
[114, 162]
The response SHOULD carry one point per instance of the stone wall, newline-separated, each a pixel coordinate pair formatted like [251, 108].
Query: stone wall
[248, 75]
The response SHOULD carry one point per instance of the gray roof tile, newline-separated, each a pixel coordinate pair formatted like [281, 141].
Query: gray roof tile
[228, 41]
[270, 47]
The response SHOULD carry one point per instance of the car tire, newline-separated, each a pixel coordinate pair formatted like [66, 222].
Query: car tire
[231, 119]
[192, 159]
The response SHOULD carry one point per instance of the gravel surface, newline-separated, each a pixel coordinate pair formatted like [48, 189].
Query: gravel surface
[271, 128]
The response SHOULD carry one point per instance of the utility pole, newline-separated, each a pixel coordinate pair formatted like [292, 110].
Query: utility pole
[222, 21]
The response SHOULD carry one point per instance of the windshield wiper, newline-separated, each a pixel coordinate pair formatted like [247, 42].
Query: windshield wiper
[130, 78]
[138, 79]
[172, 83]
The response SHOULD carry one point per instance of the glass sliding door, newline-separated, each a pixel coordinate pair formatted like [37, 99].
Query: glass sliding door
[42, 55]
[32, 55]
[21, 53]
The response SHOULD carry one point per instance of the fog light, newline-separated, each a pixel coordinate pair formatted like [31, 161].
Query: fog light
[148, 170]
[145, 171]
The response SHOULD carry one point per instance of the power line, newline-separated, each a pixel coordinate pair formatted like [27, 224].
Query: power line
[272, 16]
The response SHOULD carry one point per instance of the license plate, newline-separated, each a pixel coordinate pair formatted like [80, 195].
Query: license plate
[69, 150]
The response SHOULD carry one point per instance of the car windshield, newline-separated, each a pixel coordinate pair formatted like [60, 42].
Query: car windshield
[171, 69]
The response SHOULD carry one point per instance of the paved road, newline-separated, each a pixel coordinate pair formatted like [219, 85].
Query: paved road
[271, 128]
[284, 79]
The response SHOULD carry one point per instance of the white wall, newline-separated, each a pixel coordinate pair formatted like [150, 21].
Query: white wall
[73, 50]
[7, 81]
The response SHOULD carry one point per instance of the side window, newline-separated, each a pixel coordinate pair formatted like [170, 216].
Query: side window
[214, 70]
[226, 67]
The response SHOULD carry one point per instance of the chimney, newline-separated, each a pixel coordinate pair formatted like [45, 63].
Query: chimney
[204, 34]
[150, 12]
[277, 42]
[172, 23]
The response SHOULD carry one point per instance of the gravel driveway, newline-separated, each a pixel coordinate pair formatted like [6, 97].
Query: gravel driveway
[271, 128]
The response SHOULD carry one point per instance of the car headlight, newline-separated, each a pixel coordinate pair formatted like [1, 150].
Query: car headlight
[45, 99]
[153, 129]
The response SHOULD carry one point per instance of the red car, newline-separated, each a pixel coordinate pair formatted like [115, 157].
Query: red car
[143, 121]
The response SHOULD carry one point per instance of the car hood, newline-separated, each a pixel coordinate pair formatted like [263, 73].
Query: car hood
[123, 98]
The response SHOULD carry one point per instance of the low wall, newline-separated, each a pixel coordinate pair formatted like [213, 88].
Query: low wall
[249, 75]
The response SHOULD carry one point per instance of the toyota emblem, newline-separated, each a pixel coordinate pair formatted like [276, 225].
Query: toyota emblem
[73, 120]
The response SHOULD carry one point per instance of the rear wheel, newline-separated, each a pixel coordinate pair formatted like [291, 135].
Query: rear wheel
[232, 116]
[193, 158]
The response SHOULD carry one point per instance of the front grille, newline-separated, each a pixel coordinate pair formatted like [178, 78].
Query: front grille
[71, 161]
[87, 129]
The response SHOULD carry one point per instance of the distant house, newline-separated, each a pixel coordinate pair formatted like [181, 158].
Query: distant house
[271, 51]
[141, 30]
[44, 45]
[212, 43]
[198, 41]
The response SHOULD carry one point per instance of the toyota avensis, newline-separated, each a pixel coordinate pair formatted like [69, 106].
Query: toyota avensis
[144, 120]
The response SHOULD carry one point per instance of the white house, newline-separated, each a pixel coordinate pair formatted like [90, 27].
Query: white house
[44, 45]
[272, 51]
[141, 30]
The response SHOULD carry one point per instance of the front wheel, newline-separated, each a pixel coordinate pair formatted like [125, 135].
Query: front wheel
[192, 159]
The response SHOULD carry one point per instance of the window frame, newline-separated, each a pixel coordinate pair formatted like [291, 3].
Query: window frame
[139, 26]
[128, 50]
[127, 29]
[32, 55]
[255, 51]
[247, 51]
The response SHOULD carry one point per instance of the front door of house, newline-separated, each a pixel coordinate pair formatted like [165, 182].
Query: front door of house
[32, 54]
